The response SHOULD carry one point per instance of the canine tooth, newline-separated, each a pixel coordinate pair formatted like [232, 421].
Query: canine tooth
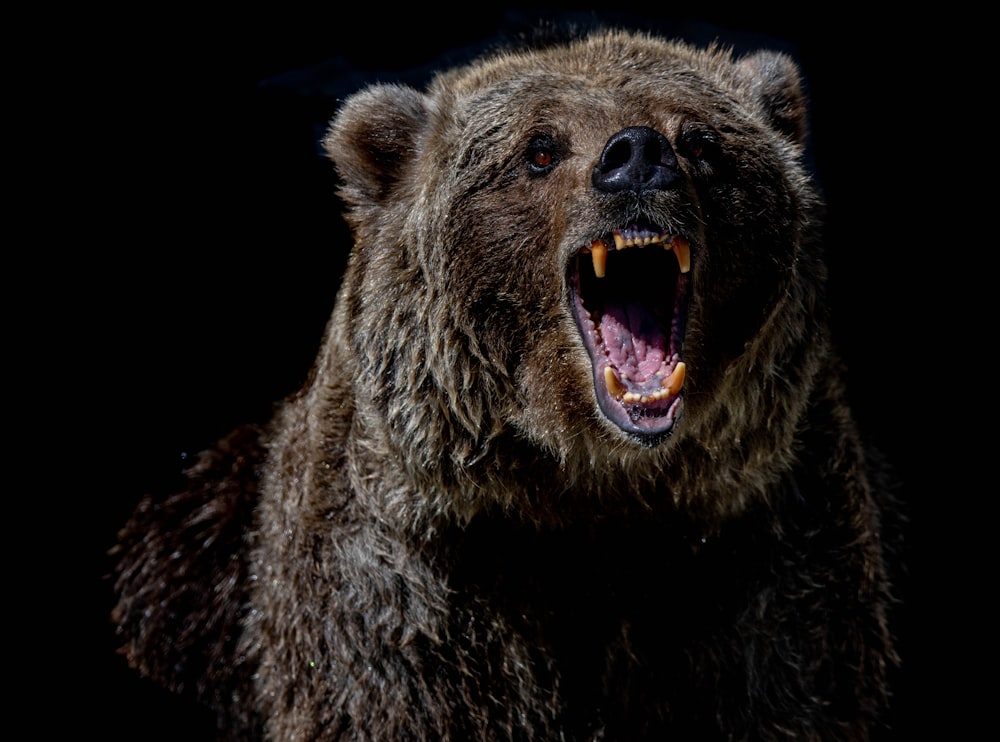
[675, 381]
[599, 256]
[682, 249]
[614, 386]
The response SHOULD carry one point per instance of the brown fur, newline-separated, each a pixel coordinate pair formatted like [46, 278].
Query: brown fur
[445, 536]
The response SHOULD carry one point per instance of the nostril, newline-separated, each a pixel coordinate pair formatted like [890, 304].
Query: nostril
[616, 155]
[637, 158]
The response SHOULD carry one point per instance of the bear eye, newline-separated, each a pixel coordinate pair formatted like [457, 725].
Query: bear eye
[698, 141]
[542, 155]
[541, 158]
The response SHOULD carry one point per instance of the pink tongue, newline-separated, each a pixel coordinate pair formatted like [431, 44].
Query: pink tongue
[635, 345]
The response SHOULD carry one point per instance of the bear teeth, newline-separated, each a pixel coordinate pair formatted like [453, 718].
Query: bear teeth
[598, 248]
[599, 255]
[670, 385]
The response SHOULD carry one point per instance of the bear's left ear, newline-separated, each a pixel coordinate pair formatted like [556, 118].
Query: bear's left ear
[372, 136]
[776, 81]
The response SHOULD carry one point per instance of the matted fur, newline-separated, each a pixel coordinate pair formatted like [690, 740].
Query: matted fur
[444, 536]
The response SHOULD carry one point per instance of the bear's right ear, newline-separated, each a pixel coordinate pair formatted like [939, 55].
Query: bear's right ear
[370, 138]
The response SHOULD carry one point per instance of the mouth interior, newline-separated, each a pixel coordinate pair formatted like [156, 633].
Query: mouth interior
[629, 302]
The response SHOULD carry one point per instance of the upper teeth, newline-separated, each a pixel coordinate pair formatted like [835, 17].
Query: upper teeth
[598, 249]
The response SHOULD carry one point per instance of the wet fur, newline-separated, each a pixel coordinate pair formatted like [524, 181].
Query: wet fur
[441, 536]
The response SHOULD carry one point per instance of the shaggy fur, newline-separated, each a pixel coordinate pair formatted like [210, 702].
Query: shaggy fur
[458, 530]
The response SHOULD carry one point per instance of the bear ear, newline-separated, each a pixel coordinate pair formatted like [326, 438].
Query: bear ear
[372, 136]
[776, 82]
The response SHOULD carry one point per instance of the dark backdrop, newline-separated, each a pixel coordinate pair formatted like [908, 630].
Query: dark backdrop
[207, 246]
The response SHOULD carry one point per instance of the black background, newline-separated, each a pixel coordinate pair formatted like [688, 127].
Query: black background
[199, 246]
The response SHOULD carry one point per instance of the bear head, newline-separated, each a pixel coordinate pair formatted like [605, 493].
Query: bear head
[604, 250]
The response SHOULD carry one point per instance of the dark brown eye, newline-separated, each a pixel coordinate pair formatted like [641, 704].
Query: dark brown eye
[541, 158]
[699, 141]
[542, 155]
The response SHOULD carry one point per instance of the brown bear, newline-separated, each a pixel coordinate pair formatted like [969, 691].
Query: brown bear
[575, 461]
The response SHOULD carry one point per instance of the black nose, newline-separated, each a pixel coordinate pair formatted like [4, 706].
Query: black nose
[636, 159]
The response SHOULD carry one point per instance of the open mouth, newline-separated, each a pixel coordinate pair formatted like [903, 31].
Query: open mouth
[629, 298]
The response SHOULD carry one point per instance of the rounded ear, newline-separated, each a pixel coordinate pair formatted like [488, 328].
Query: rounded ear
[370, 138]
[775, 80]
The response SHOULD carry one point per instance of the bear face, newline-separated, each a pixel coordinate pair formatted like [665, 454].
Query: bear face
[591, 249]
